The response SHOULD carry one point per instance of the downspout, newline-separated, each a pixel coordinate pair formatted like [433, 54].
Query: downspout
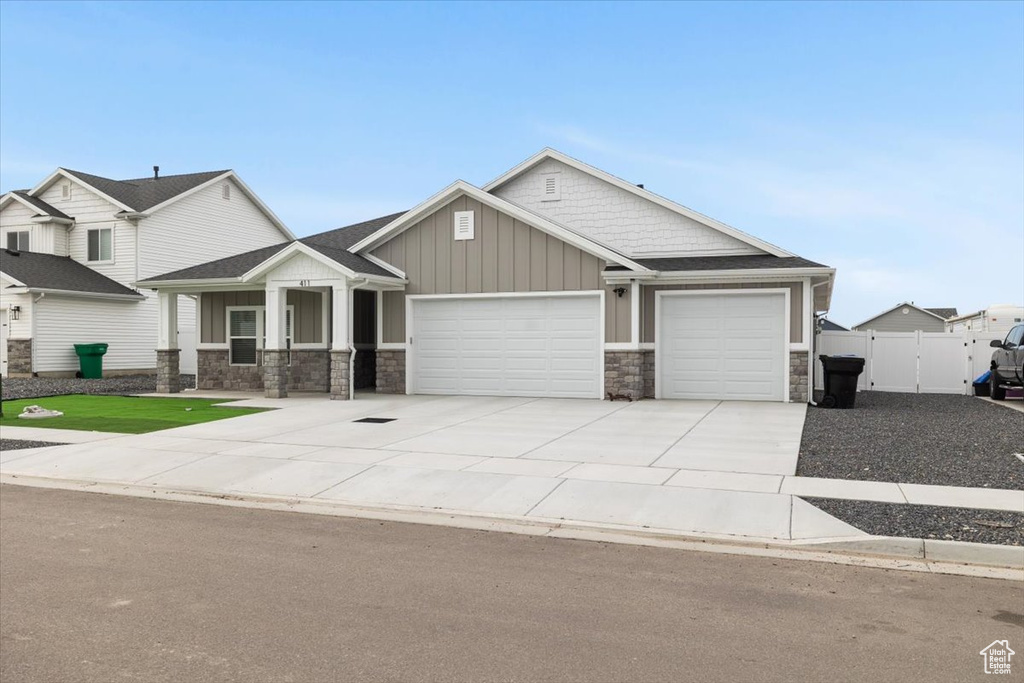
[351, 336]
[810, 350]
[32, 358]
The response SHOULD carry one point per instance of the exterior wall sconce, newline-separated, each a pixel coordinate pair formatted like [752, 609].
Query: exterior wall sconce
[619, 291]
[15, 312]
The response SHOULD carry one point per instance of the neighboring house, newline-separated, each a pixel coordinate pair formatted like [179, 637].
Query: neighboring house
[826, 325]
[906, 317]
[997, 319]
[75, 245]
[556, 279]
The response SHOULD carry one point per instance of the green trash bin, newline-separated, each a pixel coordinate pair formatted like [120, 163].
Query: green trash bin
[90, 360]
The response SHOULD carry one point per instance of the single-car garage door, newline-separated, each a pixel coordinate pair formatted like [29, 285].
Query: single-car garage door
[507, 346]
[722, 346]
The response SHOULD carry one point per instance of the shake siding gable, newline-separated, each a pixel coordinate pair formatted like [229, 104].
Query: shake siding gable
[505, 255]
[616, 217]
[203, 227]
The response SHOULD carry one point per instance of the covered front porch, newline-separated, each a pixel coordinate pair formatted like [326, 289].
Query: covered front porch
[298, 322]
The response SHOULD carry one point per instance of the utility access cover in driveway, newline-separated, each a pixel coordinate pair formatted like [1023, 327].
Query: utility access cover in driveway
[375, 420]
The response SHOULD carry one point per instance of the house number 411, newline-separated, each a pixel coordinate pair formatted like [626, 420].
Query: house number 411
[303, 283]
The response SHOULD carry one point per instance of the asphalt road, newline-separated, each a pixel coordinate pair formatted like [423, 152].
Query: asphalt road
[104, 588]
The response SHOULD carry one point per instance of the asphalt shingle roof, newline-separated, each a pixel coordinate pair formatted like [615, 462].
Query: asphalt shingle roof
[722, 263]
[946, 313]
[144, 193]
[46, 271]
[42, 206]
[333, 244]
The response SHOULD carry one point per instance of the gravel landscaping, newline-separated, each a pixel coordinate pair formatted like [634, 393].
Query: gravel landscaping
[18, 444]
[938, 439]
[926, 521]
[40, 387]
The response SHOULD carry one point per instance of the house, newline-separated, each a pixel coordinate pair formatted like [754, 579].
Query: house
[75, 245]
[826, 325]
[555, 279]
[906, 317]
[997, 319]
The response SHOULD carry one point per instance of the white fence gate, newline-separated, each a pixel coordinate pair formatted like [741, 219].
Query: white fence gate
[913, 362]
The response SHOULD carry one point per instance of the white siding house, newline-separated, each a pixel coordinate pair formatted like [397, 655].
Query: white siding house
[107, 235]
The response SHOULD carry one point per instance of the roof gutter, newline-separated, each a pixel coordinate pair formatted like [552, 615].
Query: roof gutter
[131, 215]
[71, 292]
[735, 274]
[52, 219]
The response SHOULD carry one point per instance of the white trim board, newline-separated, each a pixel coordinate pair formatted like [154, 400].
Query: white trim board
[548, 153]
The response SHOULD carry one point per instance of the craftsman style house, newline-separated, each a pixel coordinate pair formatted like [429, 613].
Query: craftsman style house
[555, 279]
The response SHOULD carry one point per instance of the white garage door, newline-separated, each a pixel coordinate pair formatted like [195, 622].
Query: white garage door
[722, 346]
[507, 346]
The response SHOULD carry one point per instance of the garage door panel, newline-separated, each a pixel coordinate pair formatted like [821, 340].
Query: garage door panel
[514, 346]
[722, 346]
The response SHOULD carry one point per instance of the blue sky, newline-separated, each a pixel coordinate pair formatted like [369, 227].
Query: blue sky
[886, 140]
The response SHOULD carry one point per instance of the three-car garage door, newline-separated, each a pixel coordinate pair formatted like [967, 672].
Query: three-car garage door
[722, 346]
[549, 346]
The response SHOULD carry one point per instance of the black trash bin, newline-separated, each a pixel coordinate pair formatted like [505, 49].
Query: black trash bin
[841, 373]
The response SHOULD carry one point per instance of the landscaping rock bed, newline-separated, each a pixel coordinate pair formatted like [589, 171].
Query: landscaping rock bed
[40, 387]
[938, 439]
[927, 521]
[18, 444]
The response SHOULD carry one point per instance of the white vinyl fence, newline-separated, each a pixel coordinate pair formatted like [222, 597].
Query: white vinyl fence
[914, 362]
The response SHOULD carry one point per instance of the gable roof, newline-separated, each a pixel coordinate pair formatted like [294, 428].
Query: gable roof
[36, 204]
[890, 310]
[140, 195]
[548, 153]
[460, 188]
[58, 273]
[829, 326]
[944, 313]
[333, 244]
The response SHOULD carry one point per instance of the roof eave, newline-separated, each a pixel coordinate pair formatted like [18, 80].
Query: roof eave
[75, 292]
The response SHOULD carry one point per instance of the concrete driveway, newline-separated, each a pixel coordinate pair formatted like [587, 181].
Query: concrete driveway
[703, 467]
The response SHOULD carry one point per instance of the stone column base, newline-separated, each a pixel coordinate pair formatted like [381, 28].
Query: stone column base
[19, 357]
[275, 373]
[168, 372]
[798, 377]
[341, 374]
[390, 371]
[624, 374]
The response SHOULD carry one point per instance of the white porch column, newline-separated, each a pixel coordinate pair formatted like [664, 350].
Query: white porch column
[341, 354]
[634, 313]
[168, 356]
[277, 302]
[340, 314]
[167, 324]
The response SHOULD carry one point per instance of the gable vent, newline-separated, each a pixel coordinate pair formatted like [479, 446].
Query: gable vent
[552, 188]
[463, 225]
[65, 191]
[226, 191]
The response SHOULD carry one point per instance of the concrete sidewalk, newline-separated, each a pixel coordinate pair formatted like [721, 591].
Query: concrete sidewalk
[703, 468]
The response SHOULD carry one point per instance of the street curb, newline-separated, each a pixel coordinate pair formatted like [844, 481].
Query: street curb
[945, 557]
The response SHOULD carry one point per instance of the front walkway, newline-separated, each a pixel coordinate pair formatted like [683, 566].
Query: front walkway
[710, 468]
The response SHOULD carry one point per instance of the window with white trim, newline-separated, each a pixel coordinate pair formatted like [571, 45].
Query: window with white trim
[100, 245]
[18, 240]
[244, 335]
[247, 334]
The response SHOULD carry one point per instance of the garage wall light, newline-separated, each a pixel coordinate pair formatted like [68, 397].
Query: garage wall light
[619, 291]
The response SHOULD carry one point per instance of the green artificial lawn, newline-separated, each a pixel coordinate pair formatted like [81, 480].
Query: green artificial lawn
[122, 414]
